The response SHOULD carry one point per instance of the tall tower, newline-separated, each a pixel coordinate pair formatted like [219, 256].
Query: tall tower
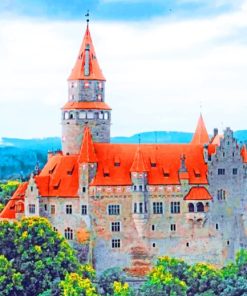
[86, 103]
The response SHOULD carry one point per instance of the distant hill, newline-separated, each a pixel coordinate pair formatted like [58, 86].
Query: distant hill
[18, 157]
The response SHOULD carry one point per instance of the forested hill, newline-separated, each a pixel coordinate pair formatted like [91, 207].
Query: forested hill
[18, 157]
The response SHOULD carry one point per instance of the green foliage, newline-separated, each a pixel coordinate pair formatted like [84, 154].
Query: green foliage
[10, 280]
[120, 289]
[75, 285]
[108, 277]
[6, 191]
[41, 255]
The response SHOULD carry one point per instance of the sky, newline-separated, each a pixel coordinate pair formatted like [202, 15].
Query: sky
[164, 61]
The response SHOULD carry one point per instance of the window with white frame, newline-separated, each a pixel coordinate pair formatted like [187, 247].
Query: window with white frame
[173, 227]
[69, 209]
[31, 209]
[114, 209]
[53, 209]
[115, 243]
[157, 208]
[115, 226]
[175, 207]
[84, 209]
[68, 233]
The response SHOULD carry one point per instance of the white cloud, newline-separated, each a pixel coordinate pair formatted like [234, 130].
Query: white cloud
[157, 73]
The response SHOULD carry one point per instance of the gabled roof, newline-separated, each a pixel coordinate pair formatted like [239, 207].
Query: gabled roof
[198, 193]
[86, 105]
[9, 212]
[86, 66]
[201, 134]
[244, 153]
[87, 152]
[139, 165]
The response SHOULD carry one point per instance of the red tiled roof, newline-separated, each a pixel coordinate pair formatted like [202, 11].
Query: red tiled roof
[216, 139]
[87, 153]
[198, 193]
[9, 212]
[244, 154]
[201, 134]
[86, 105]
[139, 164]
[59, 177]
[167, 157]
[95, 72]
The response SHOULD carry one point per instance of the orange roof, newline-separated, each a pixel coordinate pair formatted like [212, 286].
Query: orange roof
[216, 139]
[198, 193]
[86, 105]
[9, 211]
[201, 134]
[87, 153]
[166, 170]
[83, 62]
[59, 177]
[244, 153]
[139, 164]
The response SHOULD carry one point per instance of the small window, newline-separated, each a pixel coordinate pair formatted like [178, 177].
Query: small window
[53, 209]
[69, 209]
[101, 115]
[191, 208]
[157, 208]
[106, 115]
[90, 115]
[114, 209]
[153, 164]
[154, 245]
[234, 171]
[68, 233]
[187, 245]
[228, 242]
[115, 226]
[82, 115]
[45, 207]
[71, 115]
[200, 207]
[153, 227]
[99, 97]
[173, 227]
[66, 115]
[135, 207]
[32, 209]
[221, 171]
[221, 194]
[84, 189]
[115, 243]
[31, 188]
[175, 207]
[84, 209]
[217, 226]
[140, 207]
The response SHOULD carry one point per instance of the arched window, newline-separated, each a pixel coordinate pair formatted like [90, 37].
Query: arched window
[68, 233]
[200, 207]
[191, 207]
[71, 115]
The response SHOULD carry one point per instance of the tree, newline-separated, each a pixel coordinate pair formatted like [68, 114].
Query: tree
[120, 289]
[40, 254]
[6, 190]
[10, 280]
[75, 285]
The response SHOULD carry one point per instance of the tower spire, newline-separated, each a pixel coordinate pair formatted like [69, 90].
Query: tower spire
[201, 134]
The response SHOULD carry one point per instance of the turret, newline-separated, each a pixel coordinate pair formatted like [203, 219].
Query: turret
[86, 101]
[201, 135]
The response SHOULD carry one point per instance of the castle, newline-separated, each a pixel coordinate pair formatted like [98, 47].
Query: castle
[125, 204]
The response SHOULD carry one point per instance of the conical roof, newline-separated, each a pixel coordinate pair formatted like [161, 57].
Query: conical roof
[86, 66]
[139, 165]
[201, 134]
[87, 153]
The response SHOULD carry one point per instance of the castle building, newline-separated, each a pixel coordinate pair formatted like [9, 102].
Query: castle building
[126, 204]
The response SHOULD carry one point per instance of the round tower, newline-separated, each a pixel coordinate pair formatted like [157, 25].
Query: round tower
[86, 101]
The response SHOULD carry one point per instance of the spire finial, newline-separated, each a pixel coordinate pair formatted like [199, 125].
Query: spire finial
[87, 17]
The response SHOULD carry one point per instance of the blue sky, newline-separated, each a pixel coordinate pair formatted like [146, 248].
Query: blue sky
[163, 59]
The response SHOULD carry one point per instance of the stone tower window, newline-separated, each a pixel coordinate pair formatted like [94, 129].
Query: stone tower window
[235, 171]
[217, 226]
[200, 207]
[191, 208]
[221, 171]
[68, 233]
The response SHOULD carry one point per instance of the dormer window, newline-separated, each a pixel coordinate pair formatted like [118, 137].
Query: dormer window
[106, 172]
[116, 161]
[166, 173]
[197, 173]
[70, 172]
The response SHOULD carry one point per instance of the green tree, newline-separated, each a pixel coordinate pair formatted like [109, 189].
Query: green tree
[75, 285]
[120, 289]
[108, 277]
[10, 280]
[7, 189]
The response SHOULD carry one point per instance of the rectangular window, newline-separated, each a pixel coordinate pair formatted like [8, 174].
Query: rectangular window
[157, 207]
[115, 243]
[45, 207]
[69, 209]
[173, 227]
[115, 226]
[83, 189]
[221, 171]
[114, 209]
[135, 207]
[153, 227]
[84, 209]
[53, 209]
[32, 209]
[140, 207]
[234, 171]
[175, 207]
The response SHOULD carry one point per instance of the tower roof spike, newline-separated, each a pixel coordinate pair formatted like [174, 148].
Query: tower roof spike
[201, 135]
